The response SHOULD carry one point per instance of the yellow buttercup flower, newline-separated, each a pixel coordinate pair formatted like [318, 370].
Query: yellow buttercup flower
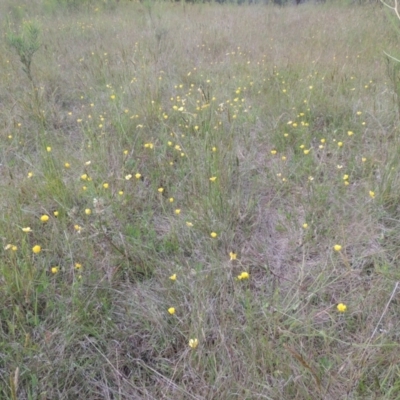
[160, 190]
[54, 270]
[232, 256]
[273, 152]
[337, 247]
[189, 224]
[138, 176]
[171, 310]
[341, 307]
[127, 177]
[177, 211]
[193, 343]
[36, 249]
[243, 275]
[371, 194]
[44, 218]
[105, 185]
[27, 229]
[78, 266]
[213, 235]
[77, 228]
[88, 211]
[213, 178]
[173, 277]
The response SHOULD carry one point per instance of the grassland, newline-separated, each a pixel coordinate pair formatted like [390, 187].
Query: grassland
[188, 192]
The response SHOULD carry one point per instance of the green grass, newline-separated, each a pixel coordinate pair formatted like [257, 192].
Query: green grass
[126, 113]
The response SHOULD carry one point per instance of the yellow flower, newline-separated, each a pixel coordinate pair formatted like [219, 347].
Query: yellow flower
[173, 277]
[322, 140]
[350, 133]
[54, 270]
[337, 247]
[346, 183]
[214, 149]
[84, 187]
[213, 234]
[44, 218]
[171, 310]
[189, 224]
[148, 145]
[371, 194]
[171, 199]
[125, 152]
[302, 146]
[363, 159]
[341, 307]
[177, 211]
[232, 256]
[273, 152]
[30, 174]
[77, 228]
[84, 177]
[193, 343]
[48, 149]
[305, 225]
[67, 165]
[160, 189]
[121, 192]
[138, 176]
[112, 97]
[243, 275]
[345, 177]
[78, 266]
[55, 213]
[127, 177]
[27, 229]
[340, 144]
[14, 247]
[283, 158]
[213, 178]
[306, 151]
[105, 185]
[36, 249]
[88, 211]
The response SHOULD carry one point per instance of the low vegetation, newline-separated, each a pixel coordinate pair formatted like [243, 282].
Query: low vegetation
[199, 201]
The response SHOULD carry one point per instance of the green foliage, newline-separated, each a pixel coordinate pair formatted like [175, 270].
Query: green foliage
[188, 197]
[26, 44]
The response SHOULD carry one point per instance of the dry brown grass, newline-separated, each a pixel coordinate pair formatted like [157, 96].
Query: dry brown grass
[104, 331]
